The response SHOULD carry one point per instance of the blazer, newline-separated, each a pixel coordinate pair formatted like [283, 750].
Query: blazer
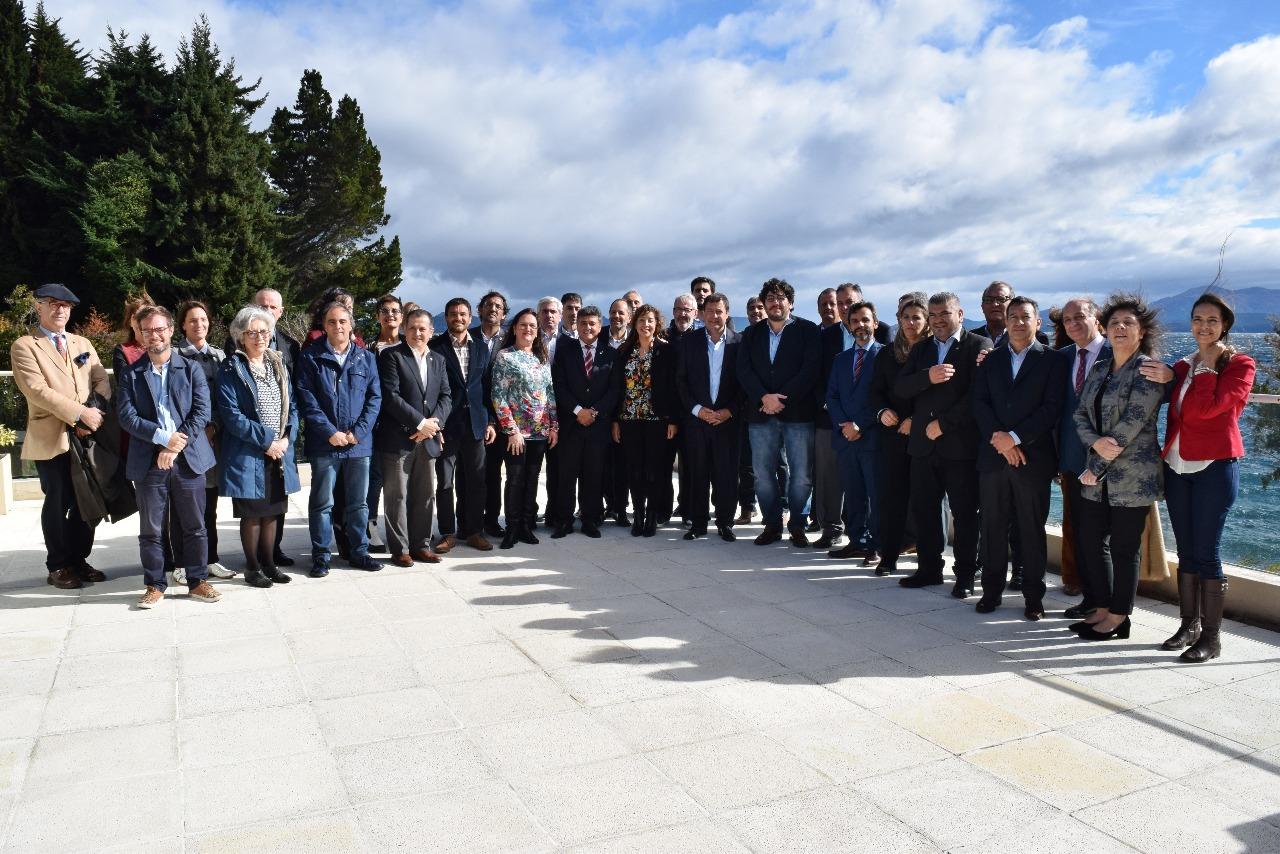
[1072, 453]
[1029, 405]
[849, 400]
[469, 409]
[693, 374]
[1209, 418]
[662, 378]
[244, 438]
[793, 372]
[1130, 408]
[407, 402]
[56, 389]
[335, 396]
[881, 396]
[949, 402]
[574, 388]
[190, 406]
[832, 346]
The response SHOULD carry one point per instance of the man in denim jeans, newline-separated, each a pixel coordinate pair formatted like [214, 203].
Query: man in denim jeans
[778, 371]
[339, 395]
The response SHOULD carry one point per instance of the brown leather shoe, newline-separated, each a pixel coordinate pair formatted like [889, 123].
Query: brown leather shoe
[426, 556]
[477, 541]
[88, 573]
[402, 560]
[65, 579]
[446, 545]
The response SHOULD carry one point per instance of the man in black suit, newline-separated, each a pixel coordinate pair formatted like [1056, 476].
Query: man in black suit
[684, 319]
[614, 336]
[493, 313]
[586, 397]
[937, 378]
[415, 389]
[1017, 401]
[778, 370]
[460, 467]
[707, 381]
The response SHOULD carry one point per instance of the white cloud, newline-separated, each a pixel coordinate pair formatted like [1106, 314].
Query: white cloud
[911, 144]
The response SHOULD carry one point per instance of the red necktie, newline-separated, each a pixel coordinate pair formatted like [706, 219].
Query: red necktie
[62, 345]
[857, 362]
[1080, 371]
[588, 360]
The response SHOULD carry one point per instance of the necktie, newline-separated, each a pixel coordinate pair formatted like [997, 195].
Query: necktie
[858, 353]
[1080, 371]
[588, 359]
[62, 345]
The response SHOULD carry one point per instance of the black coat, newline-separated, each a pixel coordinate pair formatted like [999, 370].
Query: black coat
[693, 374]
[574, 388]
[949, 402]
[662, 379]
[405, 402]
[1030, 406]
[470, 411]
[794, 371]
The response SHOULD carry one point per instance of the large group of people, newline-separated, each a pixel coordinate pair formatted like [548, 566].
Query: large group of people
[852, 428]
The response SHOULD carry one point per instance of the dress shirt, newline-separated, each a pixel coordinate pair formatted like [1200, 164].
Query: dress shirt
[715, 367]
[492, 342]
[1093, 349]
[849, 340]
[697, 323]
[341, 357]
[54, 337]
[158, 382]
[775, 338]
[423, 359]
[586, 351]
[944, 347]
[463, 352]
[550, 341]
[572, 333]
[1015, 360]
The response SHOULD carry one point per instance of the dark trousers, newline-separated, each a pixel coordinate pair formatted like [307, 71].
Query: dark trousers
[460, 471]
[1099, 523]
[1017, 500]
[615, 479]
[894, 496]
[648, 453]
[581, 477]
[68, 538]
[746, 474]
[186, 490]
[1198, 505]
[932, 479]
[711, 457]
[176, 532]
[521, 495]
[1093, 562]
[494, 455]
[858, 471]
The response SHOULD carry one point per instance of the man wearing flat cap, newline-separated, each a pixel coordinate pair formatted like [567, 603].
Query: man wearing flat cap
[57, 372]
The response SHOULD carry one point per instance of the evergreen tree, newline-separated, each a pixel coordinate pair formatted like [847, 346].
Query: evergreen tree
[15, 70]
[114, 220]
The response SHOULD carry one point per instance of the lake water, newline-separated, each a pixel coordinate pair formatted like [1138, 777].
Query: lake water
[1252, 535]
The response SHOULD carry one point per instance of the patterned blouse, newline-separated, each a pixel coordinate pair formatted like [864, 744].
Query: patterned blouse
[523, 398]
[637, 388]
[269, 402]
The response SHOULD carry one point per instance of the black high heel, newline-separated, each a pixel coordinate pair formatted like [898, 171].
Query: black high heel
[1121, 631]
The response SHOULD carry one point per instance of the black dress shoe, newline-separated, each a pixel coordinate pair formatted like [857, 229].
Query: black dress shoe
[798, 538]
[985, 606]
[527, 536]
[255, 578]
[650, 526]
[623, 521]
[508, 540]
[886, 568]
[282, 559]
[813, 527]
[561, 532]
[1078, 612]
[691, 535]
[591, 531]
[727, 534]
[1034, 613]
[962, 590]
[826, 541]
[1015, 580]
[768, 536]
[1089, 633]
[276, 575]
[495, 530]
[849, 551]
[920, 578]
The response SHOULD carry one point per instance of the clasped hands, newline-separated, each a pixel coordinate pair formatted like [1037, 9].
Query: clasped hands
[714, 417]
[1005, 447]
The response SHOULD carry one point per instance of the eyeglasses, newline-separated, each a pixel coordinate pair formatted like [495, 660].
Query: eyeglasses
[156, 330]
[258, 333]
[390, 312]
[995, 300]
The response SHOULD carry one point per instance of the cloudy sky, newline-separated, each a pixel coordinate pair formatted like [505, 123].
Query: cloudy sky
[594, 146]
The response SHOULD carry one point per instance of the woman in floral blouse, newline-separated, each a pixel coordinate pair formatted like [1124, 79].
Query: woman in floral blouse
[525, 405]
[646, 425]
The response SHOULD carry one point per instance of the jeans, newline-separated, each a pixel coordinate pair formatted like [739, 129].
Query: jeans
[187, 492]
[768, 439]
[1198, 505]
[355, 488]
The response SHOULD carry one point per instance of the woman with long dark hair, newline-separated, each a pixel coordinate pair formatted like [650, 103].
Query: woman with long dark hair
[524, 403]
[1202, 471]
[647, 412]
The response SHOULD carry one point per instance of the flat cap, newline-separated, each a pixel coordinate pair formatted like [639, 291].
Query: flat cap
[58, 292]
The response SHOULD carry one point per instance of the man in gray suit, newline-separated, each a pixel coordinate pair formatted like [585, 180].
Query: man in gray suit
[409, 436]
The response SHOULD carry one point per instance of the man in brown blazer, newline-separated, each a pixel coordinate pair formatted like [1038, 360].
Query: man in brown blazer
[56, 372]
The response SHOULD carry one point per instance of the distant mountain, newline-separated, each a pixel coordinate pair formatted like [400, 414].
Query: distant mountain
[1254, 308]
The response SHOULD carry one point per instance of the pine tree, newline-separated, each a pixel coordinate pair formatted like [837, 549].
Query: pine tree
[15, 70]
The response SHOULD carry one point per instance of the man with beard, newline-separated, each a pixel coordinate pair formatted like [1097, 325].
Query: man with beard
[615, 470]
[493, 313]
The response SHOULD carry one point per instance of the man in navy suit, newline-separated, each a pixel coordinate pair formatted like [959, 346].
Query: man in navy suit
[586, 397]
[707, 381]
[460, 466]
[614, 336]
[855, 433]
[1080, 318]
[164, 406]
[1017, 401]
[778, 371]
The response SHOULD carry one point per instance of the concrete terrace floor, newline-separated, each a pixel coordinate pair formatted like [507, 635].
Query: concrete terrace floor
[615, 695]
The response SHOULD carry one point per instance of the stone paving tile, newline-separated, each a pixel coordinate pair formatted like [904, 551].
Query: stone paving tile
[736, 770]
[110, 706]
[484, 818]
[332, 833]
[1138, 685]
[104, 815]
[832, 610]
[1247, 784]
[349, 677]
[552, 743]
[1059, 834]
[340, 644]
[1180, 820]
[715, 662]
[240, 736]
[27, 677]
[553, 651]
[880, 682]
[960, 722]
[667, 633]
[28, 611]
[20, 715]
[617, 796]
[432, 762]
[855, 745]
[210, 628]
[420, 636]
[660, 722]
[23, 646]
[225, 693]
[1049, 700]
[1239, 717]
[619, 681]
[811, 649]
[278, 787]
[962, 665]
[347, 721]
[892, 635]
[153, 666]
[1156, 742]
[103, 754]
[704, 837]
[825, 820]
[503, 698]
[15, 754]
[779, 700]
[230, 656]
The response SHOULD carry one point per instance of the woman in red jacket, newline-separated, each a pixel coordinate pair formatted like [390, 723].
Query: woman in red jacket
[1201, 470]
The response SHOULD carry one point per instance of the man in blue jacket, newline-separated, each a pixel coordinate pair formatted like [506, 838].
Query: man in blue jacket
[339, 395]
[164, 406]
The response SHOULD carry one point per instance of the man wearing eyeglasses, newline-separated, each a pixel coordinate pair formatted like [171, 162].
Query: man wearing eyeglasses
[164, 406]
[995, 299]
[390, 317]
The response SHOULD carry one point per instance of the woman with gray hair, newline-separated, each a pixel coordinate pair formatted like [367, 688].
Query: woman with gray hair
[259, 425]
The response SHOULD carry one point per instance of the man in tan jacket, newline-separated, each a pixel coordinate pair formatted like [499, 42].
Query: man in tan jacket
[56, 372]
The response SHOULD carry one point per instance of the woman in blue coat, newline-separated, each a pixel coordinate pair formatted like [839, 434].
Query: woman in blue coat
[259, 426]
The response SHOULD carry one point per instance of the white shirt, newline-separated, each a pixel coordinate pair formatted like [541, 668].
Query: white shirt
[423, 359]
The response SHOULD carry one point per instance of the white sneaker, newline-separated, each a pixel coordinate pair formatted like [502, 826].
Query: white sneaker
[180, 575]
[217, 570]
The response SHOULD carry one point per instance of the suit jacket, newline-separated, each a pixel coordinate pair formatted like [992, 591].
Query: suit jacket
[1130, 408]
[469, 410]
[693, 374]
[575, 388]
[1208, 421]
[1071, 451]
[405, 402]
[950, 402]
[56, 389]
[793, 372]
[190, 406]
[848, 400]
[1030, 405]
